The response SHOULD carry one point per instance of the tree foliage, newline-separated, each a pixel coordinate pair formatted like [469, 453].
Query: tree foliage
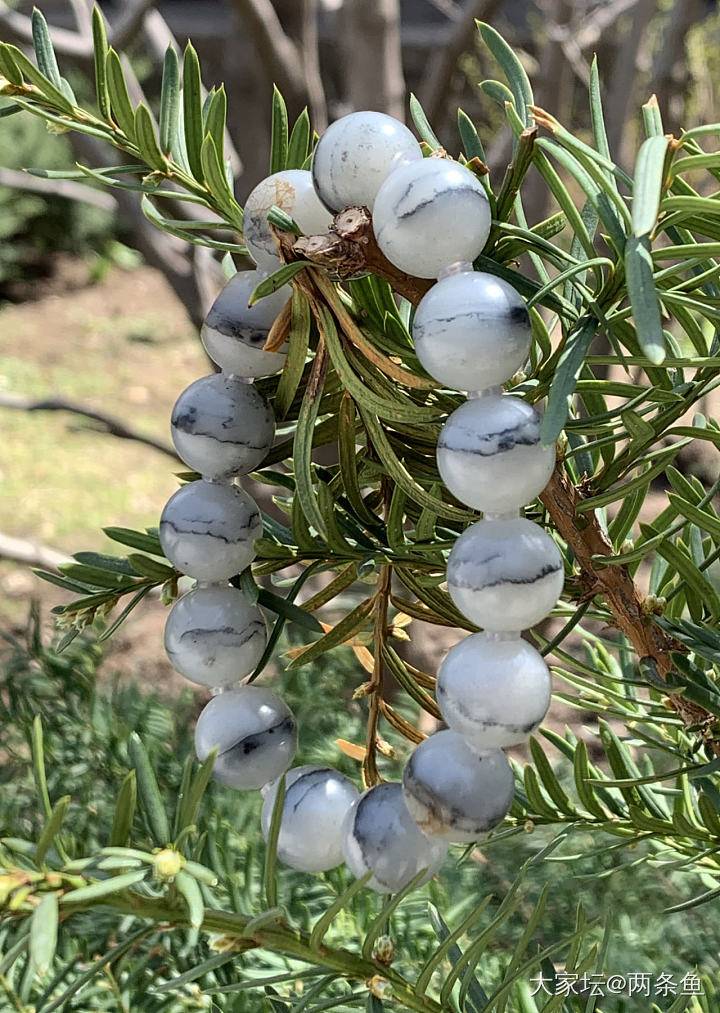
[622, 284]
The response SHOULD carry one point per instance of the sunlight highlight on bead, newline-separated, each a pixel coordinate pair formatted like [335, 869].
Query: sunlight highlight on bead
[493, 692]
[505, 574]
[221, 426]
[490, 456]
[379, 835]
[292, 191]
[471, 331]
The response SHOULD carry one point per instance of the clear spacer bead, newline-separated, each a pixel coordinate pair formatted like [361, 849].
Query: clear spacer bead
[485, 392]
[457, 267]
[508, 515]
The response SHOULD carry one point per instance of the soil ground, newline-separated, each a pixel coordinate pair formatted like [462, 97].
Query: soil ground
[124, 347]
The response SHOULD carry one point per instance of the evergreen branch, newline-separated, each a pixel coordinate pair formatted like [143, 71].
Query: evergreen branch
[354, 249]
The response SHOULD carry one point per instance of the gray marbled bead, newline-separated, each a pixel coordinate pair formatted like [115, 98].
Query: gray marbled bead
[316, 802]
[455, 793]
[505, 574]
[493, 692]
[429, 214]
[222, 426]
[254, 732]
[380, 835]
[490, 456]
[208, 531]
[214, 636]
[292, 191]
[356, 154]
[472, 331]
[234, 334]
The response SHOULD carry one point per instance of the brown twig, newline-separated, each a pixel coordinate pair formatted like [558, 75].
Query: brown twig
[66, 188]
[352, 249]
[22, 550]
[616, 587]
[113, 426]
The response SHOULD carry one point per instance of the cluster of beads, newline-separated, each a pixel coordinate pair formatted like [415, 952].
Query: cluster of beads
[223, 428]
[431, 218]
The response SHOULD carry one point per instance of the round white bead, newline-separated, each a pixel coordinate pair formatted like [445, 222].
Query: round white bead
[505, 574]
[214, 636]
[455, 793]
[429, 214]
[493, 692]
[472, 331]
[208, 531]
[234, 334]
[316, 802]
[222, 426]
[490, 456]
[254, 732]
[380, 835]
[356, 154]
[292, 191]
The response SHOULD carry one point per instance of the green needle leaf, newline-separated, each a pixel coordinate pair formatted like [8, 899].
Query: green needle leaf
[189, 889]
[122, 109]
[124, 811]
[299, 142]
[643, 297]
[472, 145]
[565, 379]
[648, 185]
[52, 92]
[52, 828]
[270, 875]
[44, 50]
[513, 70]
[8, 66]
[169, 100]
[100, 51]
[422, 124]
[43, 934]
[149, 793]
[190, 803]
[192, 111]
[38, 760]
[279, 136]
[104, 888]
[323, 923]
[146, 139]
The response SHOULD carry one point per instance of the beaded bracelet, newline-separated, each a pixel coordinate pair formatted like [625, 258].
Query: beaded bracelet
[431, 219]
